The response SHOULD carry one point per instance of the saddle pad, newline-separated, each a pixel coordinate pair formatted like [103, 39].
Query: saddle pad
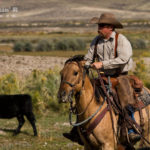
[145, 96]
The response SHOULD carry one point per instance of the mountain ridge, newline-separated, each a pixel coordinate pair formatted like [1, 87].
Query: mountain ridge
[54, 10]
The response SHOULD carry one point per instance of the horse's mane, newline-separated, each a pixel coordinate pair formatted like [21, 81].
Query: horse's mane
[76, 58]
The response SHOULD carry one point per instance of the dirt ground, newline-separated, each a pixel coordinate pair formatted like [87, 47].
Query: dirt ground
[24, 65]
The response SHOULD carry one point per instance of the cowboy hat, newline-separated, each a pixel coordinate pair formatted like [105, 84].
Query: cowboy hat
[107, 18]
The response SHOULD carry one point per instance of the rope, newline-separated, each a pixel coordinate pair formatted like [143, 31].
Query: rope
[86, 120]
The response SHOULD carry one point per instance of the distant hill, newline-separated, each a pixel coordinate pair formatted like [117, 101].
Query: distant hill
[62, 15]
[58, 10]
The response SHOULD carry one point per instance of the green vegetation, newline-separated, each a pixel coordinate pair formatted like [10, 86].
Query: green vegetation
[70, 44]
[143, 72]
[52, 118]
[54, 44]
[34, 37]
[46, 45]
[42, 86]
[58, 53]
[140, 40]
[50, 128]
[138, 44]
[20, 46]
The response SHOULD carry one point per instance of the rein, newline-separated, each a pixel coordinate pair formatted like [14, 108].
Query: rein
[101, 114]
[71, 110]
[110, 103]
[73, 85]
[86, 120]
[70, 84]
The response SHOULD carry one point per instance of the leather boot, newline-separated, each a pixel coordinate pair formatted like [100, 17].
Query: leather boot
[74, 136]
[134, 137]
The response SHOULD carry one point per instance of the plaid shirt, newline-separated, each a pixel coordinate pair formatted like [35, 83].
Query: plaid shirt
[106, 54]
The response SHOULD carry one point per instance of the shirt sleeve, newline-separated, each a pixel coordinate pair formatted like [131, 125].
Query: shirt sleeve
[124, 52]
[89, 56]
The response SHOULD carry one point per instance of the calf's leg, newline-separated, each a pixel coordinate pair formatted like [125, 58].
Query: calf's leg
[21, 122]
[30, 116]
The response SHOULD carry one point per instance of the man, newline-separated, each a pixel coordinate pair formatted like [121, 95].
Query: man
[107, 61]
[113, 53]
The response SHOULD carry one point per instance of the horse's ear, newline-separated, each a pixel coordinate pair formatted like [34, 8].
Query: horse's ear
[83, 63]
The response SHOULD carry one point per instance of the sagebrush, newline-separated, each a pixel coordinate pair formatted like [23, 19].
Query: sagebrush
[42, 86]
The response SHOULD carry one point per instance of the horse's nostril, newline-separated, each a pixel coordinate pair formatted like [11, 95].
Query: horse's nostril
[58, 95]
[63, 93]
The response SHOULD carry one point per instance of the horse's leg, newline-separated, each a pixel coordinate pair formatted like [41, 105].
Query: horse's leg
[107, 146]
[146, 125]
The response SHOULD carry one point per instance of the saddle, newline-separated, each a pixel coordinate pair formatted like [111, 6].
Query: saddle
[113, 81]
[125, 90]
[136, 85]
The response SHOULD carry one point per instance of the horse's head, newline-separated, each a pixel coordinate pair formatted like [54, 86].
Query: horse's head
[71, 78]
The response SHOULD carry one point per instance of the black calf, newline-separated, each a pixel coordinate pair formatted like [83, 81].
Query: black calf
[17, 106]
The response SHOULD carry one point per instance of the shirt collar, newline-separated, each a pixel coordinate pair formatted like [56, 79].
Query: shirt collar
[112, 36]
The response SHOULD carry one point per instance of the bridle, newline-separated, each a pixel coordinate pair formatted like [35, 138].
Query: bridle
[83, 77]
[70, 84]
[73, 86]
[72, 109]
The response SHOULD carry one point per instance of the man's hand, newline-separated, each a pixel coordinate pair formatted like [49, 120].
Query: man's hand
[97, 65]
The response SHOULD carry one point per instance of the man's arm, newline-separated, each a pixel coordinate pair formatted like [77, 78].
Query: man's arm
[89, 56]
[124, 51]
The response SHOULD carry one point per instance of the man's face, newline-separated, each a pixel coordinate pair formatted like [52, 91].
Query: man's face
[105, 30]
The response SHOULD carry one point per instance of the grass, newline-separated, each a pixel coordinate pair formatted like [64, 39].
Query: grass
[60, 53]
[7, 40]
[51, 125]
[52, 53]
[50, 129]
[141, 53]
[13, 36]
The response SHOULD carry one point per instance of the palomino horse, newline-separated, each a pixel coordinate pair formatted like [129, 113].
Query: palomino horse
[75, 83]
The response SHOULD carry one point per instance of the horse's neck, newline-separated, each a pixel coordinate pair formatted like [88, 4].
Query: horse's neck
[87, 96]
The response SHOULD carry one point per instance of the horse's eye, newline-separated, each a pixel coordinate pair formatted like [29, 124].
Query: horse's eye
[75, 73]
